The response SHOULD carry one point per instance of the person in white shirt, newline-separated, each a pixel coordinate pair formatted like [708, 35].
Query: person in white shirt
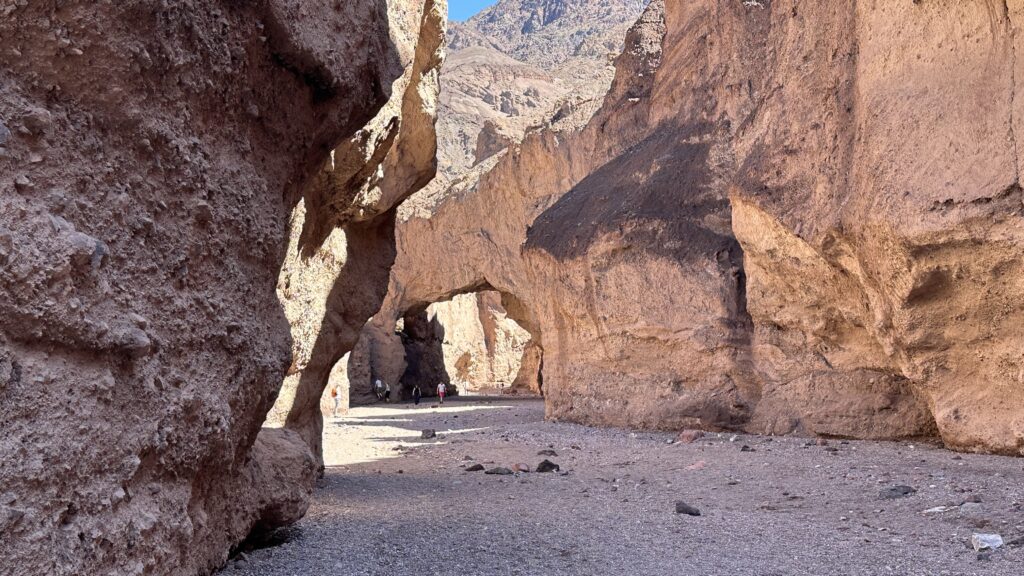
[441, 389]
[336, 398]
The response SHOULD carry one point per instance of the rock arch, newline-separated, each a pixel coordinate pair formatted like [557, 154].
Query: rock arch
[381, 352]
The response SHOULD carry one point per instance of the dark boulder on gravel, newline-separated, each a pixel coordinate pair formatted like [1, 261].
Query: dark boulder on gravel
[896, 492]
[499, 471]
[547, 466]
[684, 508]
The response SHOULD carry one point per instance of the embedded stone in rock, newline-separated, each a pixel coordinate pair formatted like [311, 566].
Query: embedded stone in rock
[895, 492]
[5, 134]
[547, 466]
[684, 508]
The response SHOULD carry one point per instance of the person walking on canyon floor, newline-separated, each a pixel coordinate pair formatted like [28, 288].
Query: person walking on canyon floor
[416, 394]
[441, 389]
[387, 393]
[336, 399]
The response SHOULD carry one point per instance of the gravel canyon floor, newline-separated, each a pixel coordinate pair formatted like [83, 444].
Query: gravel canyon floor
[394, 503]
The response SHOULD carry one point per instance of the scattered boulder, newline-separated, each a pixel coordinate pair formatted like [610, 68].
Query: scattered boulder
[547, 452]
[986, 541]
[690, 436]
[684, 508]
[474, 468]
[428, 434]
[499, 471]
[895, 492]
[746, 448]
[521, 468]
[547, 466]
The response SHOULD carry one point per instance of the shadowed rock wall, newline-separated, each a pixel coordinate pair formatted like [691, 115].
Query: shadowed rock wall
[151, 155]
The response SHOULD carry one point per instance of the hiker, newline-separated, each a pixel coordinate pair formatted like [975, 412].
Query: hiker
[387, 393]
[441, 389]
[416, 394]
[378, 389]
[336, 398]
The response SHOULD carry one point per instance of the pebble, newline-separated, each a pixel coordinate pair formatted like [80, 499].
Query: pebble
[684, 508]
[690, 436]
[475, 468]
[22, 182]
[895, 492]
[499, 471]
[986, 541]
[547, 453]
[970, 507]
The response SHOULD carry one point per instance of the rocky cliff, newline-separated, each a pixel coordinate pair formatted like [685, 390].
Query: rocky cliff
[786, 217]
[152, 158]
[516, 65]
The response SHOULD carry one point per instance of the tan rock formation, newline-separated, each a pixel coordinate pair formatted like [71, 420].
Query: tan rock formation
[150, 156]
[469, 343]
[482, 348]
[787, 217]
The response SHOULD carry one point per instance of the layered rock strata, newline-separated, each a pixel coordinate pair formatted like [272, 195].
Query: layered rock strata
[151, 157]
[785, 218]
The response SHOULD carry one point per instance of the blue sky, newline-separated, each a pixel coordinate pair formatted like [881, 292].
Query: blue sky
[462, 9]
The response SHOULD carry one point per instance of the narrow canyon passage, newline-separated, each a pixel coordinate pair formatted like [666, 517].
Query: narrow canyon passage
[393, 503]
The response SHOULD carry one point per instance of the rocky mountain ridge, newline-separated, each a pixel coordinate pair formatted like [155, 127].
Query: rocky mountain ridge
[520, 64]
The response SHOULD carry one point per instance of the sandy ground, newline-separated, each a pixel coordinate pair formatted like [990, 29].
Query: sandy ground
[392, 503]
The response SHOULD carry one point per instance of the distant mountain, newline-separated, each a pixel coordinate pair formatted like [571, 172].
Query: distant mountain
[551, 34]
[519, 64]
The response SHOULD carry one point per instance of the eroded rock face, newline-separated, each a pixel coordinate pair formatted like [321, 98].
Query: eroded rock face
[516, 65]
[775, 223]
[883, 235]
[150, 157]
[336, 269]
[468, 342]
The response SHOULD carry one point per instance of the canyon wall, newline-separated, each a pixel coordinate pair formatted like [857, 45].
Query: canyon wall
[785, 218]
[152, 158]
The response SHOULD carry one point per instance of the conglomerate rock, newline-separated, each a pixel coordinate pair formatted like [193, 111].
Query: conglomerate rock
[150, 156]
[786, 217]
